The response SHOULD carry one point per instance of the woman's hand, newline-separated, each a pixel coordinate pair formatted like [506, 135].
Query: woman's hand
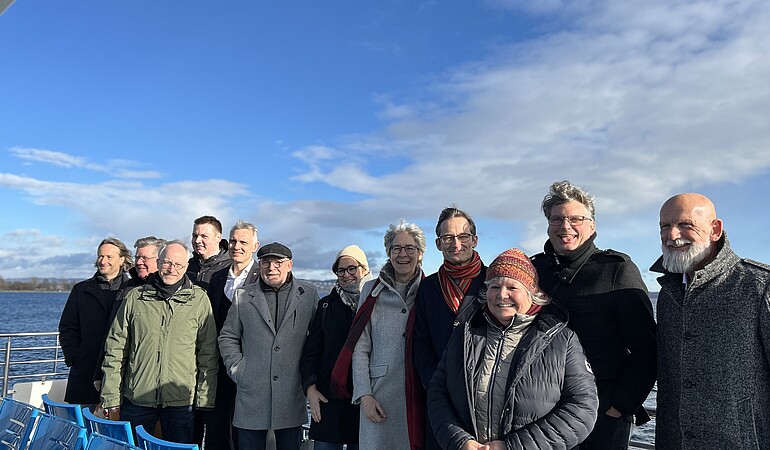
[496, 445]
[473, 445]
[373, 410]
[315, 398]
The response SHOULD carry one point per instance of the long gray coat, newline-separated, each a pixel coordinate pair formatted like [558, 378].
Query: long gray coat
[714, 356]
[378, 363]
[265, 364]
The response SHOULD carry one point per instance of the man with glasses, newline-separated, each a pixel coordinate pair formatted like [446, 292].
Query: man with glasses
[261, 345]
[446, 297]
[145, 263]
[609, 310]
[161, 354]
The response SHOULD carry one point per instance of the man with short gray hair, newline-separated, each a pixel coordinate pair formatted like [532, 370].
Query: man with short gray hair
[243, 271]
[609, 310]
[161, 354]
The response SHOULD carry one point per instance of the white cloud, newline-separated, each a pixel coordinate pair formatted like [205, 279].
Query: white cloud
[119, 168]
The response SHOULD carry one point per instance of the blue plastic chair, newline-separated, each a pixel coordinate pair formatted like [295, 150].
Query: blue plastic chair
[55, 433]
[16, 422]
[64, 410]
[100, 442]
[146, 441]
[116, 429]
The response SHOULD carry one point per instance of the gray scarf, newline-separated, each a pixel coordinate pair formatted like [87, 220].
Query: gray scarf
[350, 293]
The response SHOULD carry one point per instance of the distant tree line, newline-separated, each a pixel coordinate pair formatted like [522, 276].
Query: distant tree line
[36, 284]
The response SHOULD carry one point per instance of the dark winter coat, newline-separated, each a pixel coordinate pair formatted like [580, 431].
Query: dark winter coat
[610, 311]
[328, 331]
[200, 271]
[714, 350]
[434, 323]
[220, 304]
[551, 400]
[83, 328]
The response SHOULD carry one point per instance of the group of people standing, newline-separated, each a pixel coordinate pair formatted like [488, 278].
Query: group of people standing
[559, 350]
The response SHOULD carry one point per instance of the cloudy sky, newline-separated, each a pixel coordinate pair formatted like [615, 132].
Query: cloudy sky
[324, 122]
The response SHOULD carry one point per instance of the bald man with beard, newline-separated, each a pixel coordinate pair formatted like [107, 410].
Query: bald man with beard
[713, 335]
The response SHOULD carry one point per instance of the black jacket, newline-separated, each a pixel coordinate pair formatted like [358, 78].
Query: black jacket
[200, 271]
[610, 311]
[434, 322]
[220, 304]
[551, 398]
[83, 328]
[325, 339]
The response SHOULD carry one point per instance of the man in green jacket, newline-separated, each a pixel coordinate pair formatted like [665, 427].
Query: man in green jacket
[161, 351]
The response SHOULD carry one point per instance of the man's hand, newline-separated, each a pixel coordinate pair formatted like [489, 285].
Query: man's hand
[373, 410]
[98, 385]
[612, 412]
[315, 398]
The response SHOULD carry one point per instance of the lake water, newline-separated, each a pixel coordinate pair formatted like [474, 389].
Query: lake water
[40, 311]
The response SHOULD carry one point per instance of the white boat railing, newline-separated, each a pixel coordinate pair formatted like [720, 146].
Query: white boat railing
[30, 357]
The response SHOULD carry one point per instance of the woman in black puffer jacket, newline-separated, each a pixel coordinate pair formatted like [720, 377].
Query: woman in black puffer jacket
[529, 384]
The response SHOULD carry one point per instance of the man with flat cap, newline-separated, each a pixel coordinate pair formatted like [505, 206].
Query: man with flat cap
[261, 344]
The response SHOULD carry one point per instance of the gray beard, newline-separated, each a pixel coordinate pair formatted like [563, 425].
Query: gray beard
[684, 262]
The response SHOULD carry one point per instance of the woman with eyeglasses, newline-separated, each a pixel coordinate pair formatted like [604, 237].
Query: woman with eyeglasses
[335, 420]
[379, 345]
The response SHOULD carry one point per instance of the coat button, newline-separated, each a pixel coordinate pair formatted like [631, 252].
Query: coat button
[277, 348]
[275, 377]
[403, 311]
[688, 384]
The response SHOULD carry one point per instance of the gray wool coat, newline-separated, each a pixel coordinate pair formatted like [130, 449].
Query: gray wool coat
[264, 363]
[378, 363]
[714, 356]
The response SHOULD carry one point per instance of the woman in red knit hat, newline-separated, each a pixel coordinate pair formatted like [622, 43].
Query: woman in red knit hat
[528, 382]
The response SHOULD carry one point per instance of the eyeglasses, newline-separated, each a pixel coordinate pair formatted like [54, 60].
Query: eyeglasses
[351, 270]
[266, 263]
[447, 239]
[409, 249]
[145, 258]
[573, 220]
[167, 263]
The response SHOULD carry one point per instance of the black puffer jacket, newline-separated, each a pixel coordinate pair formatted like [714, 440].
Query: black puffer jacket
[551, 399]
[609, 309]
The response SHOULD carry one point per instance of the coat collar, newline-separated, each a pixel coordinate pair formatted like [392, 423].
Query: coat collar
[725, 259]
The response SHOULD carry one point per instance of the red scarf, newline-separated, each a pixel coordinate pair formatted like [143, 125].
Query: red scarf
[454, 291]
[339, 381]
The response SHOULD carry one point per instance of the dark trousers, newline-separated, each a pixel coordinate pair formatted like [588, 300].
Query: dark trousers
[610, 433]
[219, 429]
[285, 439]
[176, 422]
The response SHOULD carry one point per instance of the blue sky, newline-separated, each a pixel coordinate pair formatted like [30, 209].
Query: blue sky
[324, 122]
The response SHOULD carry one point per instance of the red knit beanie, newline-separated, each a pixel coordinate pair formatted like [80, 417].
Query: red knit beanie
[513, 263]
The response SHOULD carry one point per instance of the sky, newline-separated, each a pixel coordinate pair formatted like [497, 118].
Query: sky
[324, 122]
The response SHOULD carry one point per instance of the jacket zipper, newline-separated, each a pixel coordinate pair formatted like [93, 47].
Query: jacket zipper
[492, 385]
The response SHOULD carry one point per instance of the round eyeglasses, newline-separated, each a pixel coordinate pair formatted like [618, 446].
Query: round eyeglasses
[351, 270]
